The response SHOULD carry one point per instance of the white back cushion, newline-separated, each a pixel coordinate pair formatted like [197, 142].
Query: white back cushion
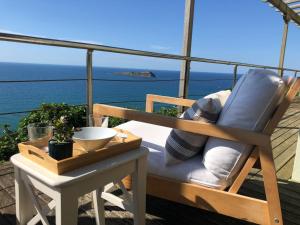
[249, 107]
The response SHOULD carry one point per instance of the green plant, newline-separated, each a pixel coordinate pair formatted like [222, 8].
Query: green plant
[8, 143]
[45, 114]
[57, 115]
[63, 129]
[114, 121]
[168, 111]
[51, 114]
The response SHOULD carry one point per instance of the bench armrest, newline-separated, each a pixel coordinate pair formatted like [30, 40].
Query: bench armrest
[166, 99]
[227, 133]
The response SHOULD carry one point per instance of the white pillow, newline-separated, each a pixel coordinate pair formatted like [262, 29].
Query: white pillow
[250, 106]
[182, 145]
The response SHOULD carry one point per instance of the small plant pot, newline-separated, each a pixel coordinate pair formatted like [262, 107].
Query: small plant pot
[60, 151]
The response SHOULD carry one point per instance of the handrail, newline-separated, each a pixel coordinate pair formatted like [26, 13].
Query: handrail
[42, 80]
[106, 102]
[35, 110]
[104, 48]
[100, 79]
[113, 80]
[97, 47]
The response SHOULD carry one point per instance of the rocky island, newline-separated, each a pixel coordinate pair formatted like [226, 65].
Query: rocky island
[136, 73]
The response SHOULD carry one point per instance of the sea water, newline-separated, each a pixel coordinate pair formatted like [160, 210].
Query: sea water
[109, 86]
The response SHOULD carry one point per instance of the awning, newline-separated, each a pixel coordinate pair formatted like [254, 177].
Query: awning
[290, 9]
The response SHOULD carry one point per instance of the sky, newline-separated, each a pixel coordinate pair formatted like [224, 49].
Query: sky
[238, 30]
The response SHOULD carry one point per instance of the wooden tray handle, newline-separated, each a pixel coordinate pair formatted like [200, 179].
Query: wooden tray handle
[34, 151]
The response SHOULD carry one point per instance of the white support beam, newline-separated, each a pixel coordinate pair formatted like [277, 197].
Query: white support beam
[290, 1]
[296, 6]
[187, 44]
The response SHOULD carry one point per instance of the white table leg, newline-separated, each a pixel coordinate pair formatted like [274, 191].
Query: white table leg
[36, 203]
[66, 208]
[45, 211]
[139, 191]
[99, 206]
[24, 207]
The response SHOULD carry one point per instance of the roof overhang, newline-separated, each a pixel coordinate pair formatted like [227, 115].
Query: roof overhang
[289, 8]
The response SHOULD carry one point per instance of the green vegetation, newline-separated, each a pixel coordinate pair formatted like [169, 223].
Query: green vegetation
[54, 114]
[50, 114]
[114, 121]
[64, 130]
[168, 111]
[8, 143]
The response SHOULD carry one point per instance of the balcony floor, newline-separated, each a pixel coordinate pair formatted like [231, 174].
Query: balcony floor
[160, 212]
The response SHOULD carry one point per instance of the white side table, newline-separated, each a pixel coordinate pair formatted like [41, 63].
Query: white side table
[66, 188]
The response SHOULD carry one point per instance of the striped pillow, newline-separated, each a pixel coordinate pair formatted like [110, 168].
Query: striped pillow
[182, 145]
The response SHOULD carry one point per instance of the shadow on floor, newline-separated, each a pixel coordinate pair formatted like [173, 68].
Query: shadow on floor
[289, 193]
[162, 212]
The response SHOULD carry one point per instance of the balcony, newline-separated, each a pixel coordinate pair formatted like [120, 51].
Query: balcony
[159, 211]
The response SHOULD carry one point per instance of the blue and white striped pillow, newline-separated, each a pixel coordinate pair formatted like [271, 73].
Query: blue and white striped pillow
[182, 145]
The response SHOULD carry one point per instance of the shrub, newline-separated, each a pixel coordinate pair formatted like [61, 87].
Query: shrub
[8, 143]
[168, 111]
[49, 114]
[114, 121]
[46, 113]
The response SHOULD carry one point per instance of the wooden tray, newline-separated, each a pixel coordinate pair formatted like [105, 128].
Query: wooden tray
[36, 151]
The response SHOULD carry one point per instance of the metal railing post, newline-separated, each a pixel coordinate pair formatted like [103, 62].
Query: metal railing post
[89, 86]
[234, 75]
[187, 44]
[295, 75]
[283, 45]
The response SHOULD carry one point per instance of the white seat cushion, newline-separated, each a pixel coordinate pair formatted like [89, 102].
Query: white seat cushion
[154, 138]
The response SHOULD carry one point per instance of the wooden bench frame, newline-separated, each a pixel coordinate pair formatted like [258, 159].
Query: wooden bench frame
[227, 202]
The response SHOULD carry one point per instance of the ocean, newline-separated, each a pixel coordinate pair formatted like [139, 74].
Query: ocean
[109, 87]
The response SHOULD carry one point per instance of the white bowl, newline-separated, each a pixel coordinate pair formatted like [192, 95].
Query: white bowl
[92, 138]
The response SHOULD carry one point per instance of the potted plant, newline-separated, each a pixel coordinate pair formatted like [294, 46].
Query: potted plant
[61, 145]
